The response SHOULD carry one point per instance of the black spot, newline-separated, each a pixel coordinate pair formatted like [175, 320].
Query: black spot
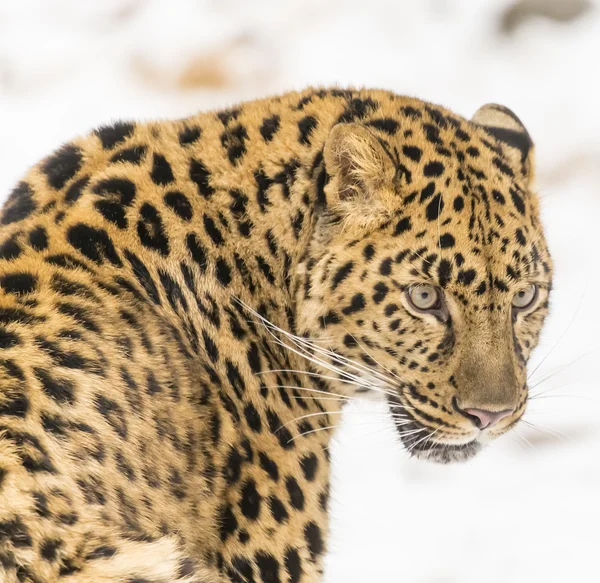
[10, 249]
[269, 466]
[435, 207]
[357, 303]
[520, 237]
[79, 314]
[61, 166]
[62, 391]
[201, 177]
[18, 283]
[309, 465]
[385, 268]
[446, 240]
[402, 226]
[211, 347]
[241, 569]
[381, 291]
[112, 135]
[161, 173]
[113, 413]
[427, 192]
[341, 274]
[444, 272]
[38, 239]
[228, 523]
[95, 244]
[268, 566]
[117, 194]
[228, 115]
[16, 532]
[314, 540]
[306, 126]
[102, 552]
[253, 418]
[265, 268]
[504, 168]
[233, 467]
[293, 565]
[19, 205]
[411, 112]
[8, 339]
[481, 288]
[238, 205]
[500, 285]
[233, 139]
[498, 197]
[387, 125]
[197, 251]
[251, 500]
[277, 428]
[278, 510]
[213, 232]
[433, 169]
[466, 277]
[189, 135]
[357, 109]
[518, 202]
[296, 496]
[369, 251]
[179, 204]
[459, 203]
[133, 155]
[412, 152]
[432, 134]
[151, 231]
[269, 127]
[223, 272]
[143, 276]
[264, 182]
[331, 317]
[13, 404]
[253, 356]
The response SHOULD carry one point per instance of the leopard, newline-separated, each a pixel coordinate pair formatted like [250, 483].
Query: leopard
[186, 306]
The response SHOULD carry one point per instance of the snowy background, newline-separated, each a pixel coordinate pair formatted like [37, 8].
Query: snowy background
[528, 508]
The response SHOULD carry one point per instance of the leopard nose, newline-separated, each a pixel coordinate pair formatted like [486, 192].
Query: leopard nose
[484, 419]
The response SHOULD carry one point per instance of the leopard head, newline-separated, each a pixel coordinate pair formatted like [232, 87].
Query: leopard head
[428, 276]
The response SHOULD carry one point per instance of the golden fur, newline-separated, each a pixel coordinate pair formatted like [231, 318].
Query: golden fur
[186, 304]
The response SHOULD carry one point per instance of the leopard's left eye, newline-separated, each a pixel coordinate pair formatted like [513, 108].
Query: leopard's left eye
[525, 298]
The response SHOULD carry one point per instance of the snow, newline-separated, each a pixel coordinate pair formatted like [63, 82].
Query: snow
[526, 509]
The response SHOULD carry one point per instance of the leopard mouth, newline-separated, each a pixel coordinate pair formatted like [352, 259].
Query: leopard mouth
[445, 453]
[422, 443]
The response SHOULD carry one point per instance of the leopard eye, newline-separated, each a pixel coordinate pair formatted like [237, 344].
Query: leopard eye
[424, 297]
[524, 298]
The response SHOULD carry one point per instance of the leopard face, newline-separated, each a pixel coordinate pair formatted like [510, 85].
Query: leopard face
[429, 276]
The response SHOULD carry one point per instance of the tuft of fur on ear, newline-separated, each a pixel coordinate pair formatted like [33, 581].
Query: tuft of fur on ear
[361, 188]
[507, 128]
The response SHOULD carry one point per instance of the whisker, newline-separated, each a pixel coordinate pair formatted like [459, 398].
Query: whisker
[563, 367]
[313, 431]
[552, 432]
[392, 374]
[579, 304]
[524, 439]
[303, 342]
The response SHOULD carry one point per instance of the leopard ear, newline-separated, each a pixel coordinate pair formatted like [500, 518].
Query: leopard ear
[507, 128]
[361, 186]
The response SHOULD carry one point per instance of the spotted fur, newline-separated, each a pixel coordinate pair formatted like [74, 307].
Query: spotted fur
[185, 305]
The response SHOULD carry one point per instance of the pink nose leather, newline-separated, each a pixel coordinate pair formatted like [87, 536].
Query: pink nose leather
[484, 419]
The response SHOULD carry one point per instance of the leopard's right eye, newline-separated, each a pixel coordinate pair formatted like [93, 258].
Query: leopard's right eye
[425, 298]
[525, 298]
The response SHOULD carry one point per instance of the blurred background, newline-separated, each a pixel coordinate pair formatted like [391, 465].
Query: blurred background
[528, 508]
